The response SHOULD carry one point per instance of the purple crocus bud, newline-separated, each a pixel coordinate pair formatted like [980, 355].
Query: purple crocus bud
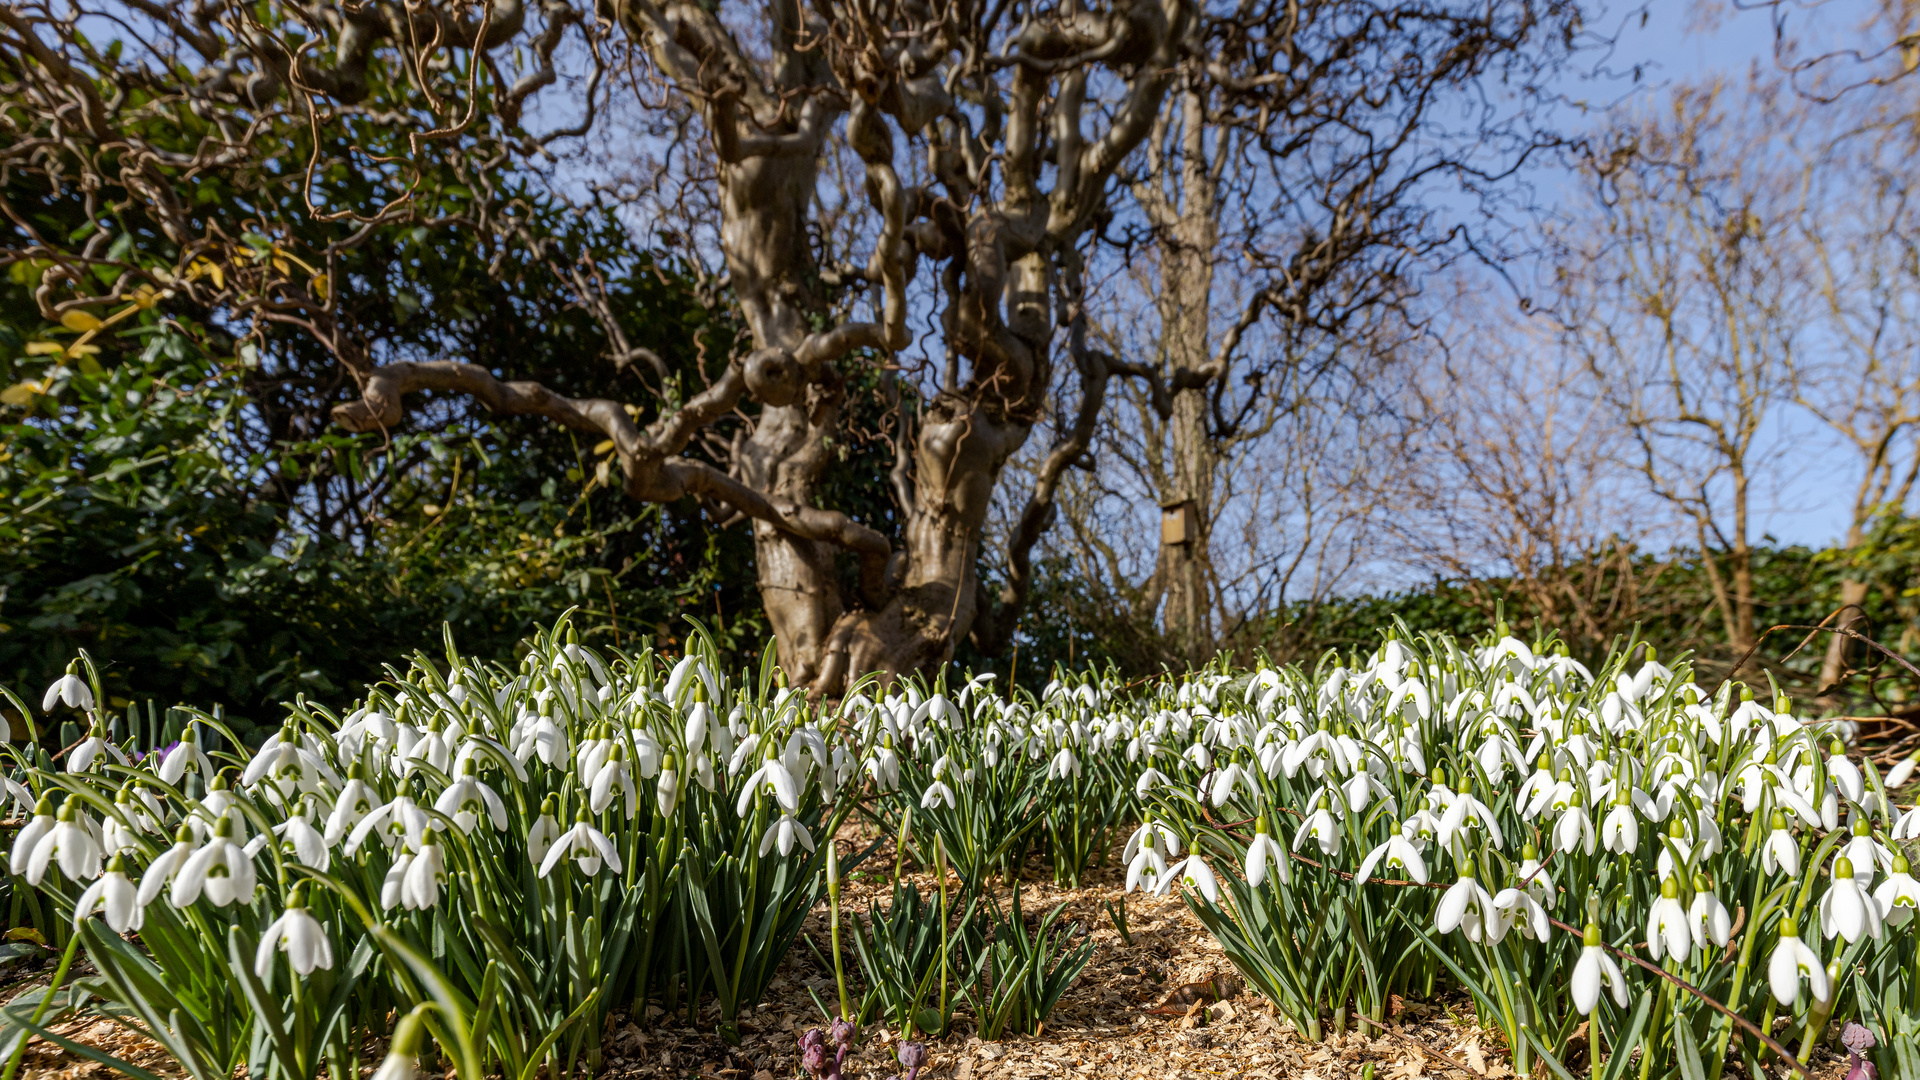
[1858, 1040]
[913, 1056]
[843, 1032]
[813, 1052]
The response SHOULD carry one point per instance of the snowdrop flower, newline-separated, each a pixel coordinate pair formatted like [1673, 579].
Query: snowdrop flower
[93, 749]
[1467, 907]
[1595, 970]
[1322, 828]
[614, 777]
[355, 802]
[666, 792]
[298, 934]
[1707, 918]
[1908, 827]
[1902, 772]
[1147, 780]
[1397, 851]
[1667, 928]
[162, 871]
[1145, 865]
[396, 877]
[466, 799]
[1063, 765]
[1899, 895]
[300, 841]
[31, 835]
[420, 885]
[69, 688]
[222, 871]
[782, 834]
[183, 755]
[115, 895]
[1620, 832]
[1793, 960]
[1518, 906]
[1194, 873]
[773, 775]
[399, 821]
[546, 829]
[935, 793]
[587, 846]
[1223, 781]
[70, 843]
[1263, 854]
[884, 767]
[1846, 909]
[1780, 855]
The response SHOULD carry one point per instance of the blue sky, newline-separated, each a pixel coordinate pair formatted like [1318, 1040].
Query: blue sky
[1806, 498]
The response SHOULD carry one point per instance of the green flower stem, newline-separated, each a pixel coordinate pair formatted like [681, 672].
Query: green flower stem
[46, 1002]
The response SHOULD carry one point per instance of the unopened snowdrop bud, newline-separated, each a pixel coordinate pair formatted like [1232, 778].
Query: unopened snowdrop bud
[546, 829]
[1792, 961]
[403, 1054]
[667, 794]
[833, 871]
[1595, 971]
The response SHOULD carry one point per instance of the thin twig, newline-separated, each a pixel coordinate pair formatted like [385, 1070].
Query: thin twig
[1424, 1048]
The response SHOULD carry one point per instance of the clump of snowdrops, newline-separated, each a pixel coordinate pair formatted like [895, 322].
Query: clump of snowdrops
[497, 854]
[1682, 871]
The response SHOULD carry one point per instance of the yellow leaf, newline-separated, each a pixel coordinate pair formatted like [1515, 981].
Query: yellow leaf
[82, 349]
[144, 297]
[26, 933]
[605, 446]
[219, 276]
[20, 394]
[45, 348]
[79, 321]
[319, 286]
[282, 265]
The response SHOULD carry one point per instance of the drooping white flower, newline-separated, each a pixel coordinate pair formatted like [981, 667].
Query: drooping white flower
[782, 834]
[93, 748]
[584, 844]
[546, 829]
[1707, 918]
[355, 801]
[222, 871]
[70, 844]
[397, 822]
[1780, 855]
[1264, 856]
[1146, 867]
[1194, 873]
[1667, 931]
[113, 893]
[161, 872]
[1846, 909]
[68, 688]
[1620, 832]
[1899, 895]
[298, 934]
[31, 834]
[1792, 961]
[466, 800]
[1468, 908]
[772, 775]
[420, 885]
[1322, 828]
[1397, 851]
[936, 793]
